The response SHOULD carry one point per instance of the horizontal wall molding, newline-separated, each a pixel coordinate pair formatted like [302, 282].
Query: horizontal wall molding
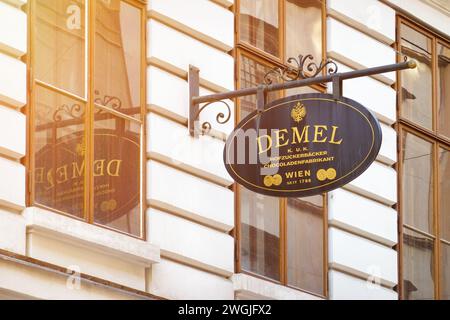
[37, 265]
[175, 117]
[357, 66]
[165, 113]
[79, 233]
[12, 52]
[180, 27]
[384, 160]
[372, 195]
[195, 263]
[249, 287]
[199, 173]
[360, 233]
[358, 26]
[183, 74]
[182, 213]
[360, 275]
[11, 207]
[223, 3]
[11, 103]
[10, 155]
[16, 3]
[365, 194]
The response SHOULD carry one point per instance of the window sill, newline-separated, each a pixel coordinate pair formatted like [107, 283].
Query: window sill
[52, 225]
[247, 287]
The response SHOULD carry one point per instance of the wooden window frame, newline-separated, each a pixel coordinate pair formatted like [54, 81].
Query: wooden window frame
[280, 60]
[436, 140]
[90, 105]
[266, 59]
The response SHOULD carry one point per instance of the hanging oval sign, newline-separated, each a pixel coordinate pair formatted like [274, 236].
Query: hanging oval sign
[303, 145]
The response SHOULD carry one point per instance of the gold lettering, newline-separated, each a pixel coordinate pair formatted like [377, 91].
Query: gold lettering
[77, 171]
[99, 168]
[50, 181]
[333, 136]
[318, 133]
[280, 138]
[269, 143]
[111, 172]
[39, 175]
[61, 172]
[298, 174]
[300, 138]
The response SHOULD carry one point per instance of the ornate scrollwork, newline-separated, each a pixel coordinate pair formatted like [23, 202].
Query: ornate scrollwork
[74, 111]
[108, 101]
[221, 118]
[305, 67]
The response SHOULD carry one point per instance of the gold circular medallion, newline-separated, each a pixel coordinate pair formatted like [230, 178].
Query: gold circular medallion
[277, 179]
[268, 181]
[104, 206]
[331, 174]
[322, 175]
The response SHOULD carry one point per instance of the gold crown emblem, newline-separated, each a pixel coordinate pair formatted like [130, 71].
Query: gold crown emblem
[298, 113]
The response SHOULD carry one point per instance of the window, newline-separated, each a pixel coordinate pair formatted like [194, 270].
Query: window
[424, 169]
[282, 28]
[280, 240]
[87, 93]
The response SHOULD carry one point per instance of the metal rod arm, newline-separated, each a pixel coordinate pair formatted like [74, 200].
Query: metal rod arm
[305, 82]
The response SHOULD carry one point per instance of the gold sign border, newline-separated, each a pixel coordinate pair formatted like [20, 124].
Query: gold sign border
[322, 185]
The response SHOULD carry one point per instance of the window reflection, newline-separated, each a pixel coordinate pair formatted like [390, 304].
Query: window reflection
[252, 74]
[60, 44]
[260, 234]
[116, 171]
[305, 243]
[304, 28]
[118, 56]
[416, 97]
[59, 152]
[62, 108]
[443, 87]
[418, 267]
[259, 24]
[417, 180]
[445, 271]
[444, 191]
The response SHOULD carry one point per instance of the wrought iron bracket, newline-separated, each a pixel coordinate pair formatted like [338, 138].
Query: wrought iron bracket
[194, 126]
[300, 79]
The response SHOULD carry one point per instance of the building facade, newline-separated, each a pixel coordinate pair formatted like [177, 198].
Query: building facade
[104, 194]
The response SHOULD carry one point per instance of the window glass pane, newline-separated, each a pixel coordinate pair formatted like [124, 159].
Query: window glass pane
[116, 170]
[251, 75]
[305, 243]
[118, 56]
[443, 86]
[418, 283]
[60, 44]
[59, 152]
[417, 179]
[259, 24]
[260, 234]
[445, 271]
[304, 15]
[416, 90]
[444, 192]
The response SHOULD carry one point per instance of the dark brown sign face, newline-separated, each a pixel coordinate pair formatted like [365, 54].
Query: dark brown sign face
[302, 145]
[60, 167]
